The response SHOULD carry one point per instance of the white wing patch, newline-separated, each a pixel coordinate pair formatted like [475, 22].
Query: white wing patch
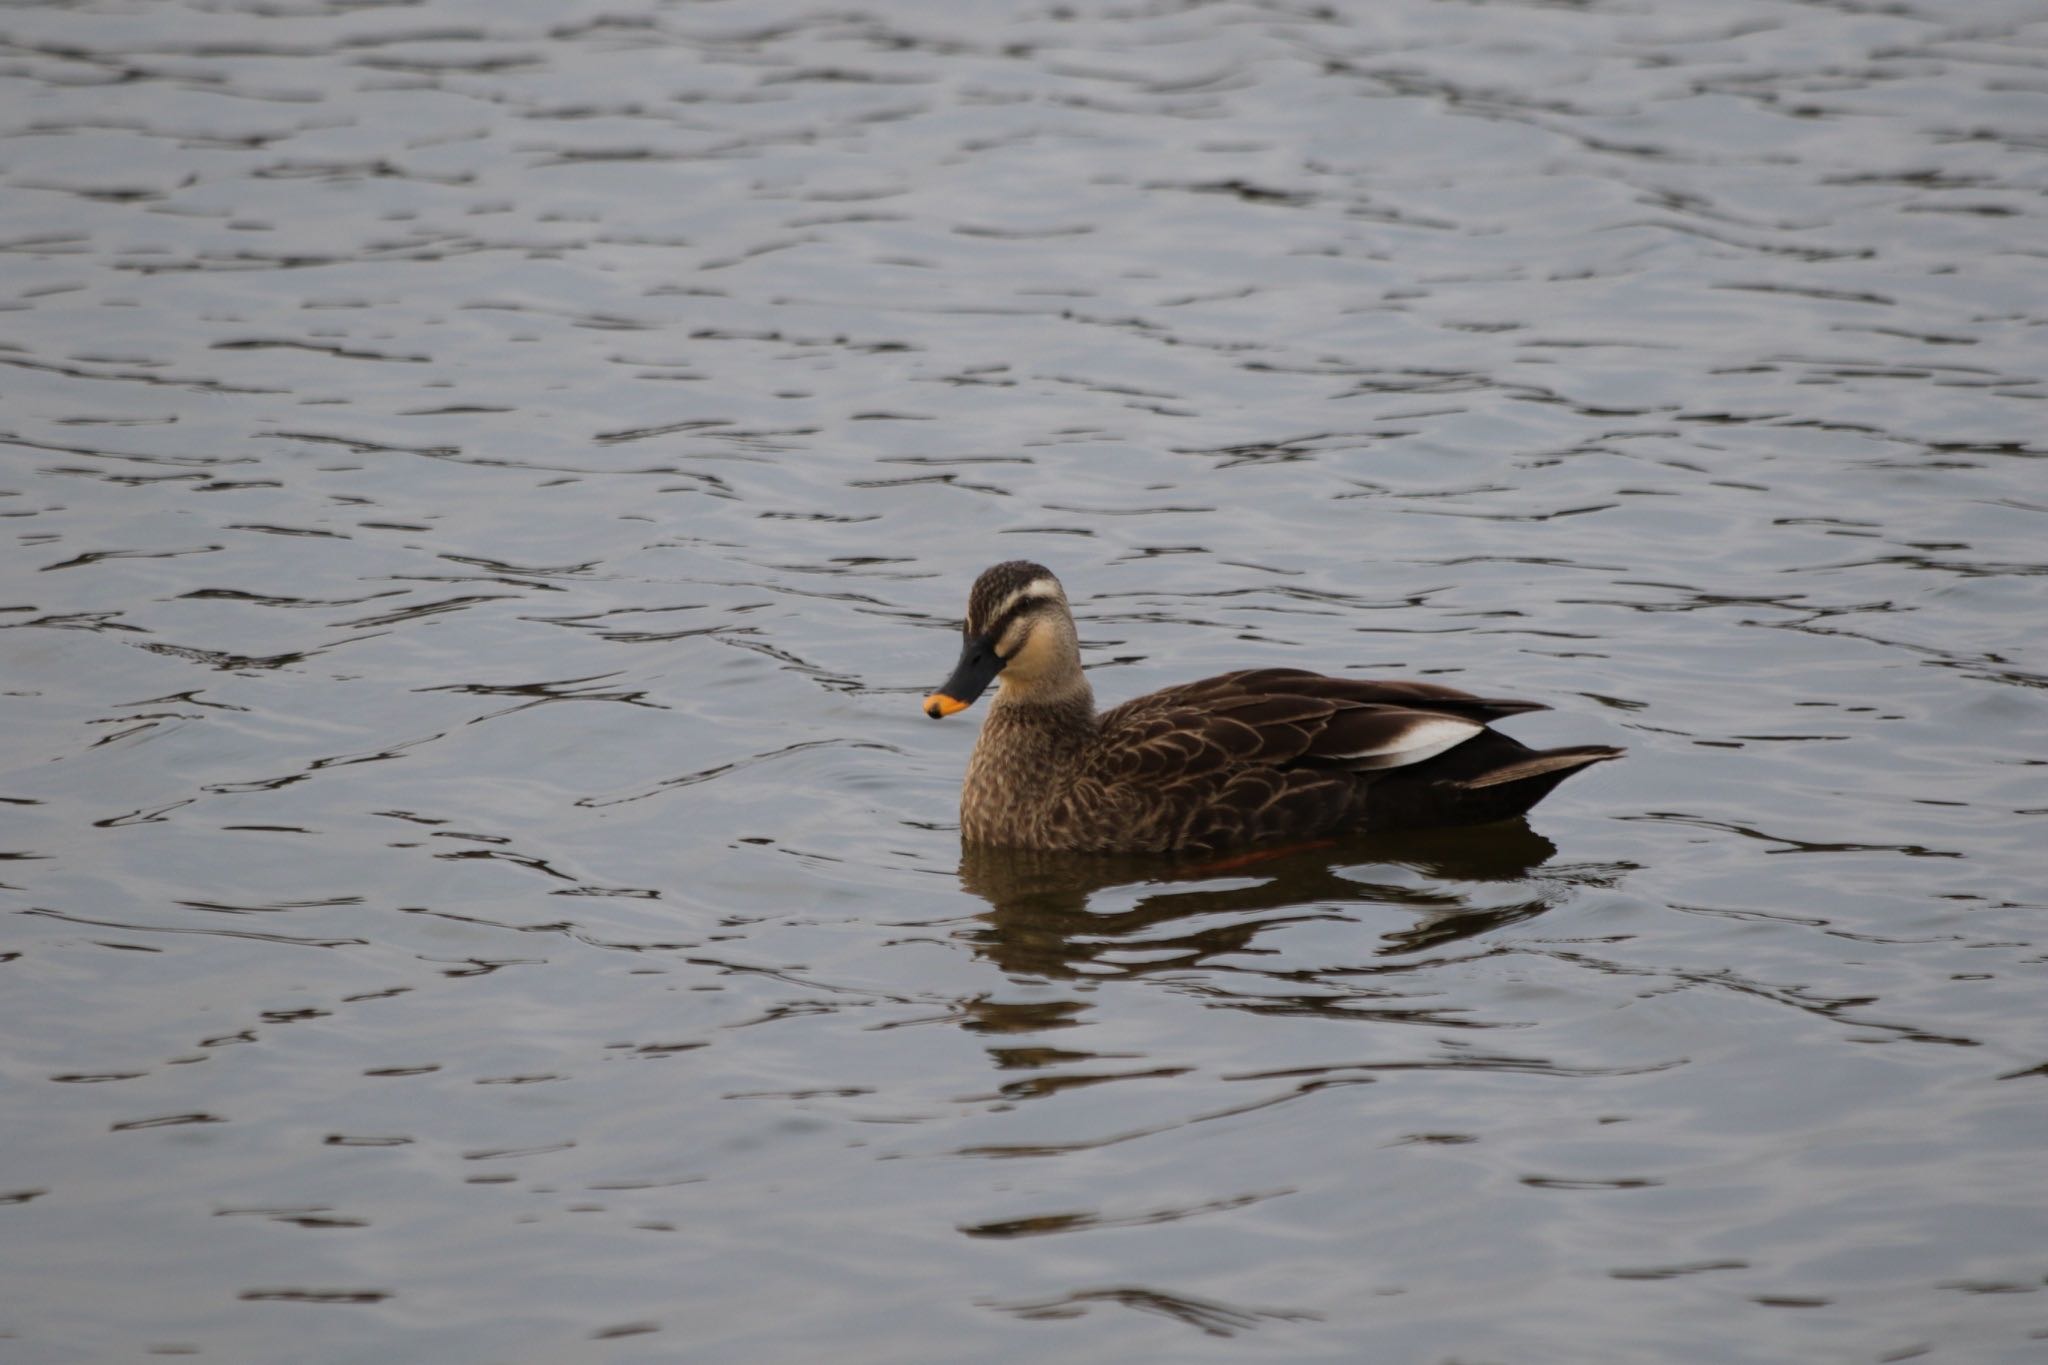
[1423, 737]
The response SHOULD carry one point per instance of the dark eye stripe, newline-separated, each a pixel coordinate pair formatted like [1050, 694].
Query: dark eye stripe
[1022, 607]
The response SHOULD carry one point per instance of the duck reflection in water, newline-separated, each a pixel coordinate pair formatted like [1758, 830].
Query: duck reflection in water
[1059, 915]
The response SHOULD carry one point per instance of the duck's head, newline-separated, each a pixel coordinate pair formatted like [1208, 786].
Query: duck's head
[1019, 626]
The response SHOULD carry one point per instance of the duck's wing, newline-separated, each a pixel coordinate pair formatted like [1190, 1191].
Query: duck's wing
[1276, 753]
[1286, 717]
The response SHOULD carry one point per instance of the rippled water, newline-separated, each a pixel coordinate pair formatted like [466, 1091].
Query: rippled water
[486, 485]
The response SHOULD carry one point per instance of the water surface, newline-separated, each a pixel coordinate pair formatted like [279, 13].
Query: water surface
[486, 485]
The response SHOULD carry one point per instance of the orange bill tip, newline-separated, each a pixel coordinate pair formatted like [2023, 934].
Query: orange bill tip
[939, 704]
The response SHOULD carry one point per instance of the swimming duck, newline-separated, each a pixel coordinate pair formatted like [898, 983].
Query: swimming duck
[1265, 754]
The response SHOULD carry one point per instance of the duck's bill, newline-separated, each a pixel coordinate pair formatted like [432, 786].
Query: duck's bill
[977, 668]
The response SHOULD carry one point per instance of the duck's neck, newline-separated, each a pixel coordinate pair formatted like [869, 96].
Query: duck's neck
[1024, 761]
[1029, 737]
[1067, 705]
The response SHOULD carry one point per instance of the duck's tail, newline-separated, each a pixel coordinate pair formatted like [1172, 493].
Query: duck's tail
[1489, 777]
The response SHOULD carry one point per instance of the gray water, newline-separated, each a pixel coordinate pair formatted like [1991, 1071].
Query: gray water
[486, 486]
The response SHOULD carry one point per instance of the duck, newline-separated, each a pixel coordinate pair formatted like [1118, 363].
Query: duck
[1261, 756]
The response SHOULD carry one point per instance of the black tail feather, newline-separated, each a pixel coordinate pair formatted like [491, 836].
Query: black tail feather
[1489, 777]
